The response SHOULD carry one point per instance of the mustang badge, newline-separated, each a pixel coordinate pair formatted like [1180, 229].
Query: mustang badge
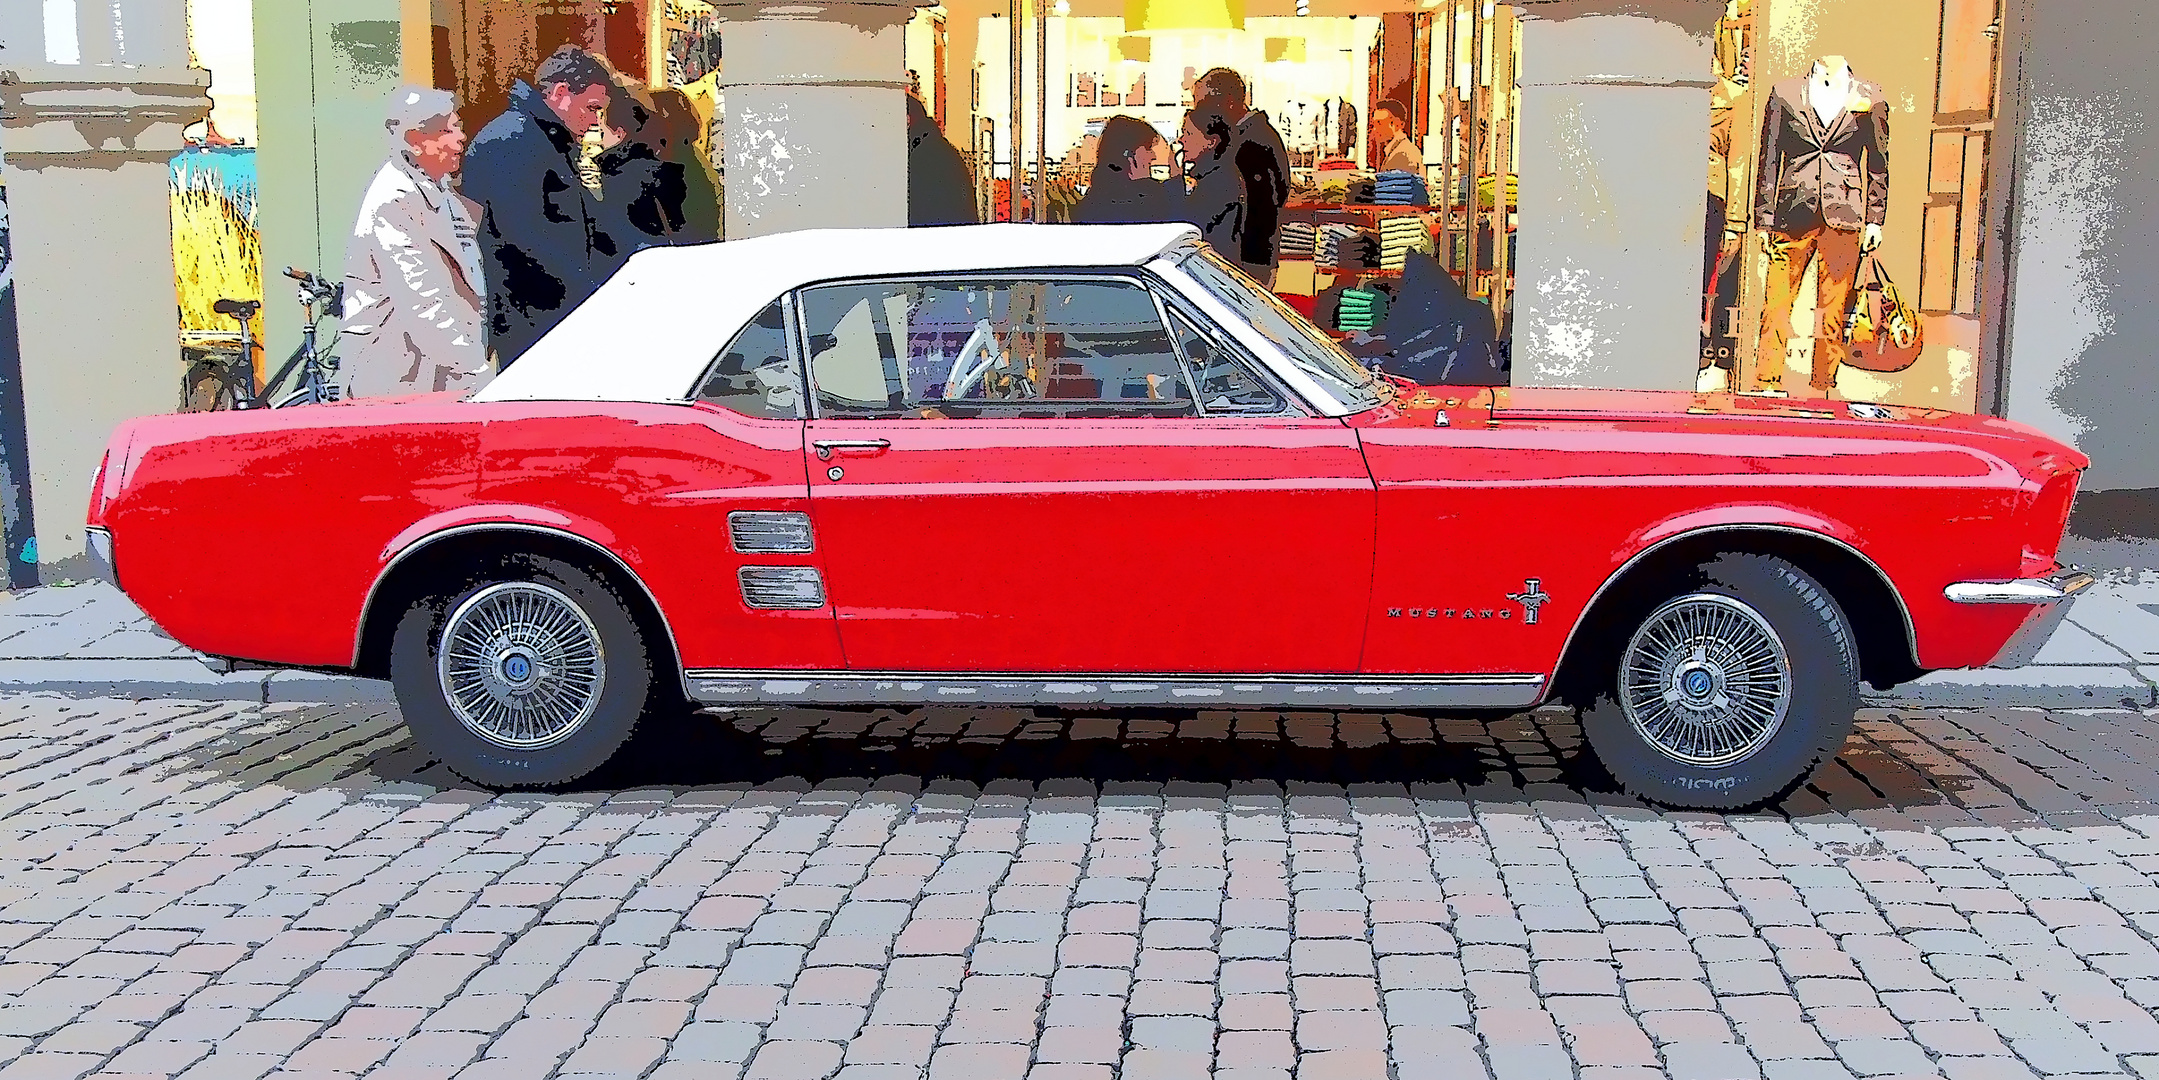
[1531, 598]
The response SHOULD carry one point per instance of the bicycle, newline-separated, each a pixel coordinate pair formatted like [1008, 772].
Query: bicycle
[219, 379]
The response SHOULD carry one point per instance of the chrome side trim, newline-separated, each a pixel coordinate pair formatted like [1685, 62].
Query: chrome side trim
[781, 588]
[2046, 590]
[770, 532]
[1911, 636]
[367, 606]
[716, 686]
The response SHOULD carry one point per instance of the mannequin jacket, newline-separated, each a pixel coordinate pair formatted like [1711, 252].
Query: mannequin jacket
[1813, 176]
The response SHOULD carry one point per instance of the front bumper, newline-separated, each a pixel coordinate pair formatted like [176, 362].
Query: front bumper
[2049, 597]
[99, 543]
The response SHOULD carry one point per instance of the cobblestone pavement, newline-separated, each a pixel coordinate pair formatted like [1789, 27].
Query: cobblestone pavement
[241, 890]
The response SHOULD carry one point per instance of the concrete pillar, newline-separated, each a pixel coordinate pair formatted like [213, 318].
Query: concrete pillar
[1614, 131]
[93, 102]
[815, 115]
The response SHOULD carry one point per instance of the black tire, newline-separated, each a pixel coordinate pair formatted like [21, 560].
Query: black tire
[1766, 760]
[626, 683]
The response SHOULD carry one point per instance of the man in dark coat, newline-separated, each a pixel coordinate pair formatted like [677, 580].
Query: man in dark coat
[539, 239]
[939, 191]
[1263, 163]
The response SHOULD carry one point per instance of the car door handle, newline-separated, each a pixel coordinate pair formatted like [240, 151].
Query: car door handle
[828, 447]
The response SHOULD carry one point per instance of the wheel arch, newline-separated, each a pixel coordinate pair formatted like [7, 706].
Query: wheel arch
[1881, 622]
[405, 576]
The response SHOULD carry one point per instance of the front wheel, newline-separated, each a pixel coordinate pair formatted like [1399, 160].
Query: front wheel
[1730, 691]
[531, 674]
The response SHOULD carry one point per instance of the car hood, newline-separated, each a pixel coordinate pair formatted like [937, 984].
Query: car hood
[2031, 451]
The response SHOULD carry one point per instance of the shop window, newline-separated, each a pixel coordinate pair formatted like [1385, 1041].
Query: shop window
[992, 349]
[756, 374]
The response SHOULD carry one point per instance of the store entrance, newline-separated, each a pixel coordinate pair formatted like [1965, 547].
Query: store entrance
[1397, 134]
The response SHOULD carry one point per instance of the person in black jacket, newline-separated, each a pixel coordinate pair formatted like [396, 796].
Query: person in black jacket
[1217, 202]
[939, 190]
[1263, 163]
[1123, 190]
[543, 255]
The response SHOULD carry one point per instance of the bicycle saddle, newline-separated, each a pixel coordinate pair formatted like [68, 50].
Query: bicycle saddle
[238, 309]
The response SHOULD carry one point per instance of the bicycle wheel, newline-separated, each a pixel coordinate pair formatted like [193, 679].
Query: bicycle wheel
[207, 388]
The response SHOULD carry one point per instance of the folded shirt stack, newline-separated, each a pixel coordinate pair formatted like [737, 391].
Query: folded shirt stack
[1300, 240]
[1361, 309]
[1398, 236]
[1363, 190]
[1331, 239]
[1396, 188]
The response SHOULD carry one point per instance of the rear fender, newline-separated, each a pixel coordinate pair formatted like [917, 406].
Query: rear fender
[506, 518]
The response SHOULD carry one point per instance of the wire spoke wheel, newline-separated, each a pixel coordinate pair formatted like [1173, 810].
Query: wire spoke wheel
[1706, 680]
[521, 665]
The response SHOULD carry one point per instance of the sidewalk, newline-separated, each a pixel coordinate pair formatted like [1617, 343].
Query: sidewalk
[89, 639]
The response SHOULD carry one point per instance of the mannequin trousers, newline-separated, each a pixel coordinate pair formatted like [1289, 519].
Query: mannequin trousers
[1789, 254]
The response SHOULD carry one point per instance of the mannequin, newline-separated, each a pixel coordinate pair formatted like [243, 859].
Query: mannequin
[1822, 190]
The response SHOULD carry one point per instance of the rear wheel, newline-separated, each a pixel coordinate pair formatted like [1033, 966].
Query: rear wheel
[1730, 691]
[530, 674]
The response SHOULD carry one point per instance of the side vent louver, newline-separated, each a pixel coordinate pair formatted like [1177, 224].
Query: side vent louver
[782, 588]
[766, 532]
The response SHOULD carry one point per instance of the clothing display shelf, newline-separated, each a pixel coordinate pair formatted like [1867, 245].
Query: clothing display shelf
[1366, 216]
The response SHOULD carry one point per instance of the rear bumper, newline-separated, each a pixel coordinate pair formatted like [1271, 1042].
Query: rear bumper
[99, 543]
[2049, 599]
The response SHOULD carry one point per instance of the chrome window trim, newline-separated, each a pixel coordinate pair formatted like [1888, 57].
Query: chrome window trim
[724, 686]
[1911, 636]
[367, 606]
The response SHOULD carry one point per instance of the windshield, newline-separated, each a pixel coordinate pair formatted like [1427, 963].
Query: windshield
[1314, 353]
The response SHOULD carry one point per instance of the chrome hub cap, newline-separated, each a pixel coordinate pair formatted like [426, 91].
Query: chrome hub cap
[521, 665]
[1706, 680]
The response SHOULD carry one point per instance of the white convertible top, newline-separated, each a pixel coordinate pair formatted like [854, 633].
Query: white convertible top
[650, 331]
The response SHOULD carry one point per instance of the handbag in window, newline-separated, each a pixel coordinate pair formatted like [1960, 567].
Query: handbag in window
[1881, 328]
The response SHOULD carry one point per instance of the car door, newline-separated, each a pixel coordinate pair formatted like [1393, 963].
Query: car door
[1012, 474]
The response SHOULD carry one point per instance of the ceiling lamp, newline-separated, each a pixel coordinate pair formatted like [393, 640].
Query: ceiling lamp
[1169, 16]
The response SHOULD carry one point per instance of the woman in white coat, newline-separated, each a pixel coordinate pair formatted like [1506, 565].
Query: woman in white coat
[414, 289]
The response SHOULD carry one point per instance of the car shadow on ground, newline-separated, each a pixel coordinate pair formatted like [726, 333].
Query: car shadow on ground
[1899, 768]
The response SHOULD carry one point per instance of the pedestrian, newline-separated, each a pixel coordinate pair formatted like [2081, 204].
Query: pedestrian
[543, 253]
[1397, 152]
[1262, 162]
[939, 189]
[1124, 189]
[646, 194]
[1217, 202]
[414, 316]
[680, 133]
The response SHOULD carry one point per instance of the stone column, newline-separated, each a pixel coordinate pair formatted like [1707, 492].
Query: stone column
[1614, 133]
[93, 110]
[815, 115]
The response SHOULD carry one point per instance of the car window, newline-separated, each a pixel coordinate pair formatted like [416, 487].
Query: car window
[1226, 383]
[756, 374]
[957, 349]
[1304, 345]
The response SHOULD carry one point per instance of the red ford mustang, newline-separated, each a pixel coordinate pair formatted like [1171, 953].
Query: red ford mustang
[1015, 464]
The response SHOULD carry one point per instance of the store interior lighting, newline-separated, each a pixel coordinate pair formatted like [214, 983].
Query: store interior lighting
[1160, 16]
